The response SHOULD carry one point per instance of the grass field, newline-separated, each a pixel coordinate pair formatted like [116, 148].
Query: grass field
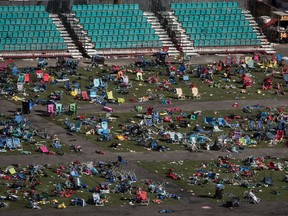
[131, 143]
[231, 181]
[48, 177]
[219, 88]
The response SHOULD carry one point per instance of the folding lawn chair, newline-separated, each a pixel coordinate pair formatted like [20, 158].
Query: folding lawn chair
[59, 108]
[93, 94]
[138, 108]
[56, 144]
[17, 143]
[2, 144]
[110, 97]
[73, 108]
[179, 93]
[285, 75]
[20, 86]
[46, 77]
[222, 122]
[51, 109]
[21, 78]
[97, 199]
[10, 144]
[85, 96]
[195, 93]
[210, 121]
[43, 149]
[121, 161]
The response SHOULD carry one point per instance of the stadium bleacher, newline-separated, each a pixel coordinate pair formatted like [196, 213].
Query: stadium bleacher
[215, 24]
[113, 26]
[26, 28]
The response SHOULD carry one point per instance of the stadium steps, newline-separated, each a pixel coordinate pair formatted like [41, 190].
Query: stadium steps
[81, 34]
[265, 44]
[182, 38]
[152, 19]
[67, 39]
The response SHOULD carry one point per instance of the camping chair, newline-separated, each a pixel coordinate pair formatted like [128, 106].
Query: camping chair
[252, 197]
[43, 149]
[59, 108]
[51, 109]
[20, 86]
[210, 121]
[141, 197]
[73, 108]
[121, 161]
[179, 93]
[85, 96]
[17, 143]
[78, 202]
[138, 108]
[78, 126]
[195, 93]
[56, 144]
[9, 144]
[285, 75]
[93, 94]
[97, 83]
[110, 97]
[21, 78]
[97, 199]
[46, 77]
[222, 122]
[39, 74]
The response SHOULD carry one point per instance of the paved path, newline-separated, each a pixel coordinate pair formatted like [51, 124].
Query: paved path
[188, 204]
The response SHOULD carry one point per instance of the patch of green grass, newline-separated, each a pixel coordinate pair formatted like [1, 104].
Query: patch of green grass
[49, 178]
[118, 128]
[208, 91]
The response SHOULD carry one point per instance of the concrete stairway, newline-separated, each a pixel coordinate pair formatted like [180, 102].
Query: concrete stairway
[183, 39]
[265, 44]
[81, 34]
[152, 19]
[67, 39]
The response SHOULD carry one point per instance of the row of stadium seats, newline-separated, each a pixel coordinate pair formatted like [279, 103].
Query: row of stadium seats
[222, 36]
[215, 24]
[48, 27]
[217, 43]
[125, 38]
[31, 40]
[109, 26]
[88, 20]
[34, 21]
[35, 46]
[119, 32]
[227, 17]
[207, 11]
[23, 15]
[22, 8]
[126, 13]
[215, 30]
[204, 5]
[27, 34]
[107, 7]
[128, 45]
